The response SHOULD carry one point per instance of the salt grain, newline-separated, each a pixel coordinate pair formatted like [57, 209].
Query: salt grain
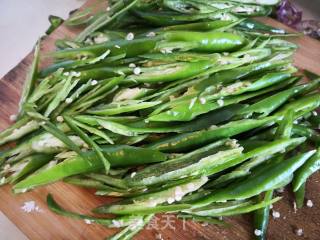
[309, 203]
[13, 118]
[137, 70]
[275, 214]
[133, 174]
[132, 65]
[94, 82]
[87, 221]
[69, 100]
[30, 206]
[202, 100]
[170, 200]
[151, 34]
[60, 119]
[130, 36]
[204, 224]
[299, 232]
[220, 102]
[257, 232]
[117, 46]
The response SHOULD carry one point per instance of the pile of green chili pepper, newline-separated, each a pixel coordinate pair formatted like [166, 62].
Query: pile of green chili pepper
[180, 106]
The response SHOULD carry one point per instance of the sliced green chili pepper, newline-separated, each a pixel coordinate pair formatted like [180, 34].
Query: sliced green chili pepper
[307, 169]
[31, 78]
[261, 217]
[262, 181]
[112, 223]
[118, 156]
[299, 195]
[190, 140]
[208, 42]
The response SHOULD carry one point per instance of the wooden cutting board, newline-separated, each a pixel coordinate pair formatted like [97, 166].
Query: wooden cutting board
[45, 225]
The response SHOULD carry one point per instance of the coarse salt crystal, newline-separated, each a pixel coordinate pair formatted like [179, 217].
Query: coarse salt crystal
[151, 34]
[170, 200]
[299, 232]
[116, 223]
[203, 100]
[314, 113]
[257, 232]
[94, 82]
[117, 46]
[30, 206]
[108, 9]
[132, 65]
[220, 102]
[60, 119]
[309, 203]
[275, 214]
[69, 100]
[130, 36]
[13, 118]
[204, 224]
[137, 70]
[133, 174]
[88, 221]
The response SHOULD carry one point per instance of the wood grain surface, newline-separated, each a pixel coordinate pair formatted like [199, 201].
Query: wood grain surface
[46, 225]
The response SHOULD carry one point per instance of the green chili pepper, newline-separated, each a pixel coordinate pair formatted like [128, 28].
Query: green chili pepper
[131, 230]
[190, 140]
[89, 141]
[243, 208]
[311, 134]
[19, 129]
[307, 169]
[118, 156]
[197, 163]
[186, 109]
[105, 19]
[299, 195]
[241, 72]
[272, 176]
[261, 217]
[112, 223]
[30, 164]
[122, 107]
[170, 72]
[131, 48]
[209, 41]
[250, 24]
[200, 26]
[29, 84]
[269, 104]
[141, 204]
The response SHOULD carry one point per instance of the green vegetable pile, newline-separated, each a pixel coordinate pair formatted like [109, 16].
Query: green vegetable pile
[180, 106]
